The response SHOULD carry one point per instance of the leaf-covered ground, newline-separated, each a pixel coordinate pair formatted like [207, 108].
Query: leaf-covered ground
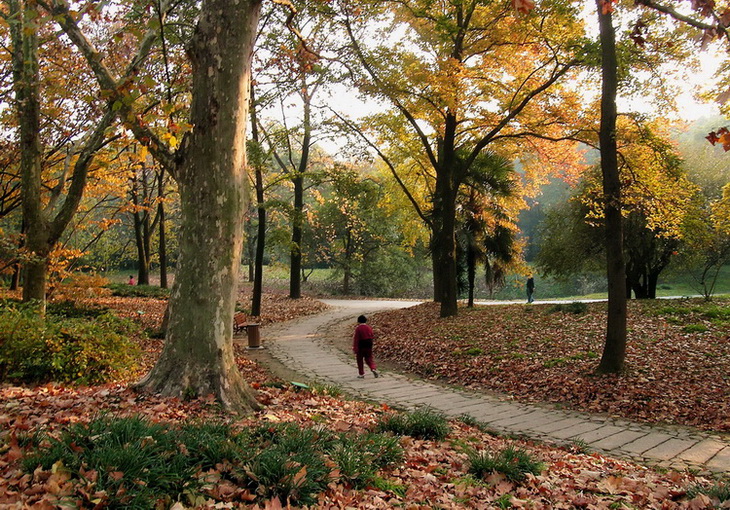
[678, 356]
[433, 474]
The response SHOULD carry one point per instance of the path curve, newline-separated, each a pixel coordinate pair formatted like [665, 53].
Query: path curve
[302, 345]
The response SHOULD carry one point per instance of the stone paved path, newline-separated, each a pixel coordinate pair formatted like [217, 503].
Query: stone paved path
[303, 347]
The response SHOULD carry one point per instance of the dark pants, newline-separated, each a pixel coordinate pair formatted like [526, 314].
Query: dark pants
[364, 354]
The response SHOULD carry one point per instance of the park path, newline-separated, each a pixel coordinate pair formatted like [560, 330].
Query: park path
[304, 346]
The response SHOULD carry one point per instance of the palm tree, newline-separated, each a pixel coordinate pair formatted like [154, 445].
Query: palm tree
[484, 226]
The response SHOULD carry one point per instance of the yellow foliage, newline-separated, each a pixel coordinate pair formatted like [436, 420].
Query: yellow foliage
[652, 182]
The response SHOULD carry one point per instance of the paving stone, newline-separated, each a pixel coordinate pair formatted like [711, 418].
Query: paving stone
[616, 441]
[577, 430]
[519, 417]
[720, 463]
[600, 433]
[669, 449]
[647, 442]
[556, 425]
[703, 451]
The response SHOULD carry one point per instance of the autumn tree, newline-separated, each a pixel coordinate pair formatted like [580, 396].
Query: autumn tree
[209, 166]
[656, 201]
[472, 76]
[46, 217]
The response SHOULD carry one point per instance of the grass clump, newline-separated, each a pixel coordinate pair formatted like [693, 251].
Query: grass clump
[136, 463]
[423, 423]
[68, 346]
[513, 463]
[719, 492]
[695, 328]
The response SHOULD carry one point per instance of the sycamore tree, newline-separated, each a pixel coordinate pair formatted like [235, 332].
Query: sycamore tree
[459, 78]
[208, 164]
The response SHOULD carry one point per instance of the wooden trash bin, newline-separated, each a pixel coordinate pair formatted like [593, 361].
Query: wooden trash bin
[254, 336]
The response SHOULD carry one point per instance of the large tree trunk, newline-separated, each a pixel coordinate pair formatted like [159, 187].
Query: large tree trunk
[614, 351]
[25, 84]
[444, 243]
[198, 354]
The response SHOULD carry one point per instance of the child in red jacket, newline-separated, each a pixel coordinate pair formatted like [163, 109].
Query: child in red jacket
[362, 346]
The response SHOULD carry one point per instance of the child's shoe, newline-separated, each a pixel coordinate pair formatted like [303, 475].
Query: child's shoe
[375, 373]
[361, 376]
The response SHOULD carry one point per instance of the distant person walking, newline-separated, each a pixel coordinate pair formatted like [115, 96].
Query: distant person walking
[131, 280]
[530, 289]
[362, 346]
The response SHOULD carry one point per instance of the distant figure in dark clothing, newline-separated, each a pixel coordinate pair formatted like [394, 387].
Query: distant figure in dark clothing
[530, 289]
[362, 346]
[131, 280]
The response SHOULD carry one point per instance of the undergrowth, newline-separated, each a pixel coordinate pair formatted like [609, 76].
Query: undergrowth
[71, 345]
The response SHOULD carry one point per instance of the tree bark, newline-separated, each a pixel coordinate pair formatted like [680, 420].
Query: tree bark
[198, 355]
[614, 351]
[444, 243]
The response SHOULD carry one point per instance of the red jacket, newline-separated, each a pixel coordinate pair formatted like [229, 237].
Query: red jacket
[364, 334]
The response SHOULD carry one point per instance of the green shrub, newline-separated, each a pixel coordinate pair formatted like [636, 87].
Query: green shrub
[359, 457]
[297, 476]
[718, 313]
[424, 423]
[353, 463]
[78, 350]
[149, 291]
[512, 462]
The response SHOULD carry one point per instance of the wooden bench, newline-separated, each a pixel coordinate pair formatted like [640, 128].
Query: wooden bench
[239, 322]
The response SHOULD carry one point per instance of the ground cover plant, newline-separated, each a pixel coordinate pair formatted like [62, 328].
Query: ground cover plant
[678, 356]
[324, 451]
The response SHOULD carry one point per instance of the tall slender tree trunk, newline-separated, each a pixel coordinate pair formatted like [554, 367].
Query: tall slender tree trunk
[295, 269]
[142, 232]
[614, 351]
[295, 278]
[198, 354]
[162, 240]
[471, 267]
[15, 281]
[258, 163]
